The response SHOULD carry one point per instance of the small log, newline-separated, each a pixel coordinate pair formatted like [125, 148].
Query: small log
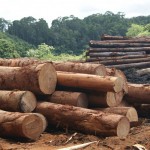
[84, 120]
[132, 65]
[143, 71]
[71, 98]
[138, 93]
[129, 112]
[110, 37]
[15, 124]
[40, 79]
[86, 68]
[104, 99]
[93, 82]
[22, 101]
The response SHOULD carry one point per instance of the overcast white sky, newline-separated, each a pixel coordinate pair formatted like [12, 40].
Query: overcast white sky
[52, 9]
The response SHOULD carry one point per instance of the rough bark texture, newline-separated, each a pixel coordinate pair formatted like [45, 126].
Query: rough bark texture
[84, 120]
[40, 79]
[143, 71]
[138, 93]
[93, 82]
[97, 69]
[71, 98]
[17, 124]
[22, 101]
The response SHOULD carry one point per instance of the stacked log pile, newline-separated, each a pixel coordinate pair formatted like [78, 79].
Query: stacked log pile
[120, 52]
[88, 98]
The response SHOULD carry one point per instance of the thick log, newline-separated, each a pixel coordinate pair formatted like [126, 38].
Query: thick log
[22, 101]
[114, 54]
[71, 98]
[40, 79]
[143, 71]
[97, 69]
[84, 120]
[110, 37]
[132, 65]
[125, 61]
[93, 82]
[127, 41]
[138, 93]
[115, 58]
[129, 112]
[15, 124]
[104, 99]
[99, 44]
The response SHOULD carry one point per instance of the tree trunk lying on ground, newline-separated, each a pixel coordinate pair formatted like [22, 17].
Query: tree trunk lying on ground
[93, 82]
[143, 71]
[129, 112]
[17, 124]
[71, 98]
[132, 65]
[23, 101]
[110, 37]
[138, 93]
[104, 99]
[40, 79]
[84, 120]
[97, 69]
[111, 54]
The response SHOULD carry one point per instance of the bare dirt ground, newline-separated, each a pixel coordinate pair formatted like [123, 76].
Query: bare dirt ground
[52, 140]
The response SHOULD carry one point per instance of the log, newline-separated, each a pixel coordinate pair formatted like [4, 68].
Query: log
[129, 112]
[86, 68]
[104, 99]
[132, 65]
[115, 58]
[125, 61]
[99, 44]
[114, 54]
[93, 82]
[15, 124]
[84, 120]
[110, 37]
[143, 71]
[22, 101]
[127, 41]
[40, 79]
[71, 98]
[138, 93]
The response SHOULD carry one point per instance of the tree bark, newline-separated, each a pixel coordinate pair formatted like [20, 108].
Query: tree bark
[22, 101]
[71, 98]
[138, 93]
[97, 69]
[132, 65]
[143, 71]
[40, 79]
[15, 124]
[84, 120]
[93, 82]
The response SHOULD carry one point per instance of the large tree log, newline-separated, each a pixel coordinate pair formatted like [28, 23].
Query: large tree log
[93, 82]
[125, 61]
[132, 65]
[138, 93]
[129, 112]
[104, 99]
[23, 101]
[40, 79]
[110, 37]
[99, 44]
[84, 120]
[71, 98]
[111, 54]
[97, 69]
[143, 71]
[127, 41]
[17, 124]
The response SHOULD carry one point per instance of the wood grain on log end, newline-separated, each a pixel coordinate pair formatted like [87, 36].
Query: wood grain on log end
[118, 84]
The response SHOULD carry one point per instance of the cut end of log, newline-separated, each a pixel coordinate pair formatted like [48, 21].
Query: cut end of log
[123, 127]
[82, 101]
[100, 70]
[47, 78]
[118, 86]
[32, 126]
[132, 115]
[28, 102]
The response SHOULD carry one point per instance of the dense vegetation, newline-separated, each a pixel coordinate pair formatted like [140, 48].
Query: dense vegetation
[67, 35]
